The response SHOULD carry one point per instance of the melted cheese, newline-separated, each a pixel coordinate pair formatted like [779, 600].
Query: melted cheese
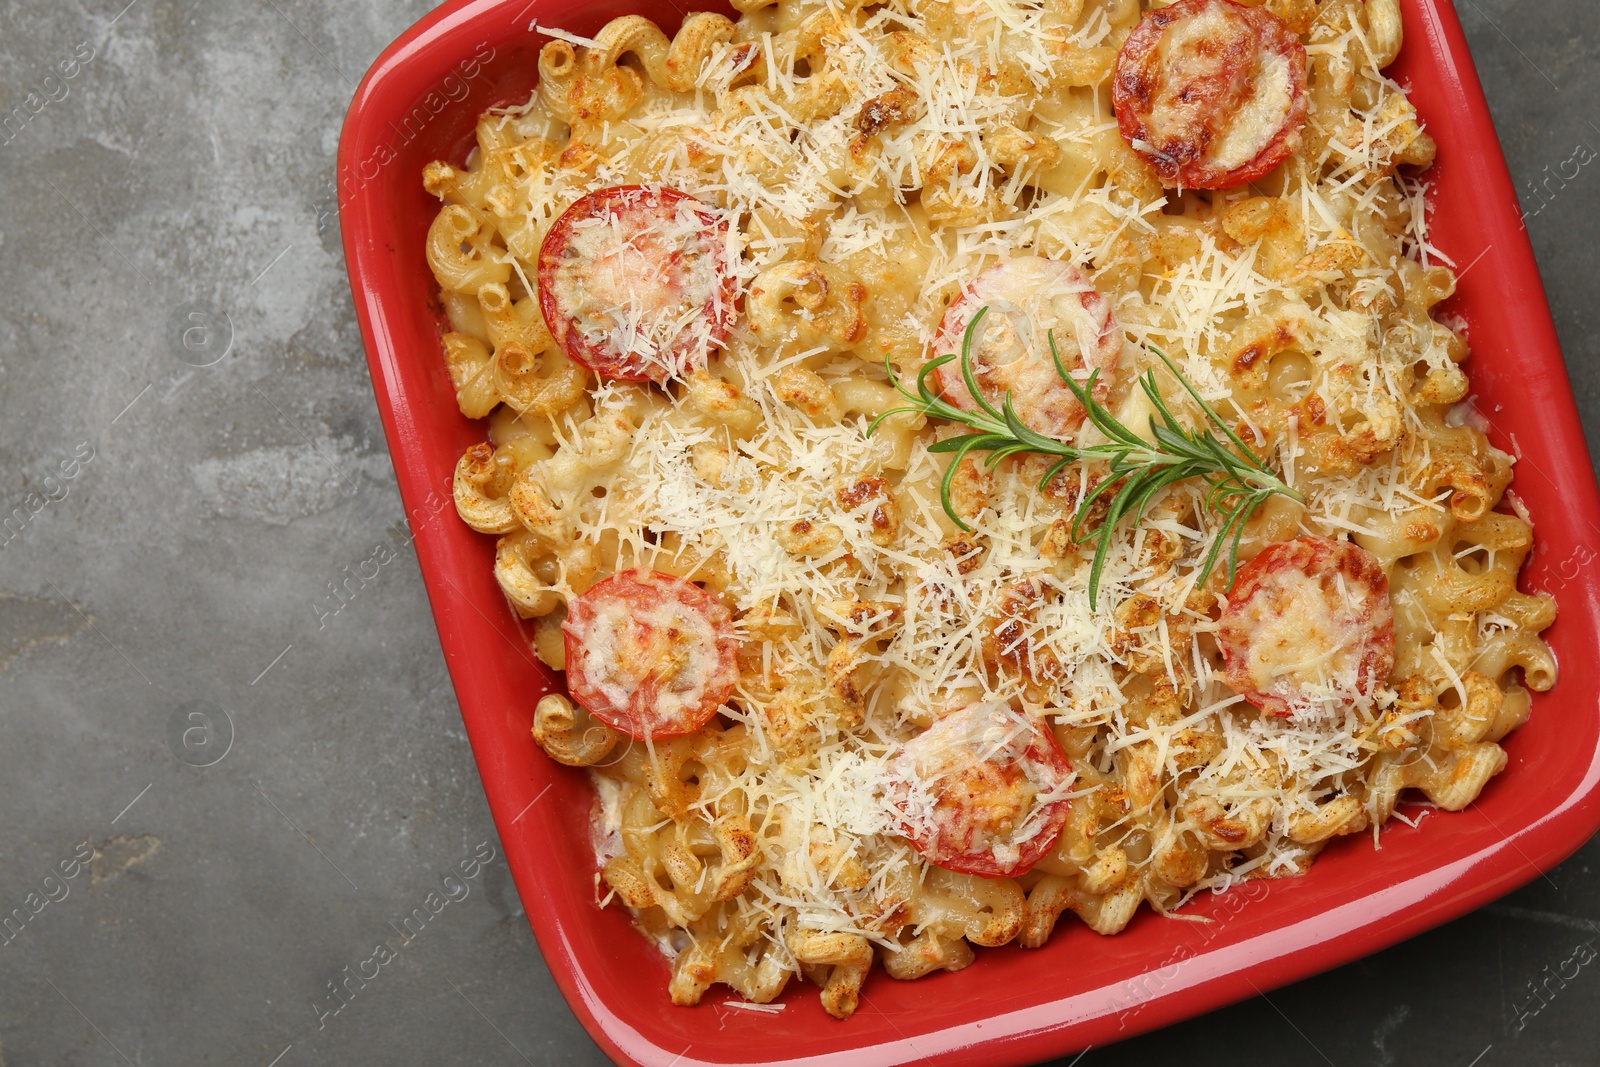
[972, 784]
[642, 284]
[1304, 645]
[1031, 303]
[1258, 121]
[664, 644]
[734, 501]
[1215, 88]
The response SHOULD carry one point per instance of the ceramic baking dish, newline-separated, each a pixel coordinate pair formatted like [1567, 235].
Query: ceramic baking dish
[420, 101]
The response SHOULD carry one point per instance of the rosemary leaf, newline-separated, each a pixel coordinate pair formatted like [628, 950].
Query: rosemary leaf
[1237, 481]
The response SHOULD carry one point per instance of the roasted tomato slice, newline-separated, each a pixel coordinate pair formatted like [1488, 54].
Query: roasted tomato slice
[982, 791]
[1308, 625]
[649, 654]
[1030, 299]
[1211, 92]
[634, 282]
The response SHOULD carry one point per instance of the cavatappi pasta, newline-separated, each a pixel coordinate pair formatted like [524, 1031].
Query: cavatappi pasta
[816, 185]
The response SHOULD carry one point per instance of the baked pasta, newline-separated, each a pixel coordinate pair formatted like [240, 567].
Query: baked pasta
[849, 693]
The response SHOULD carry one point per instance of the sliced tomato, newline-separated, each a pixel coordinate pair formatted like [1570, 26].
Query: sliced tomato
[982, 791]
[634, 282]
[1308, 624]
[1029, 300]
[1211, 93]
[649, 654]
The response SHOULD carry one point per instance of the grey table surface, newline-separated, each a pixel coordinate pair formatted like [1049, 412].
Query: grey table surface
[183, 567]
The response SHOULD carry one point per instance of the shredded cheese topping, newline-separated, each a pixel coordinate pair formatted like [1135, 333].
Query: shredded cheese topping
[872, 162]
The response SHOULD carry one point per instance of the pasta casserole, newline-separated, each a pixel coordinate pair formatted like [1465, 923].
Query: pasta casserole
[977, 461]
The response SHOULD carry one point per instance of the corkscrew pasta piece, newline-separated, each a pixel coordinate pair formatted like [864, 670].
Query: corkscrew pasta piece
[471, 367]
[730, 950]
[569, 733]
[525, 572]
[844, 958]
[804, 306]
[481, 480]
[461, 251]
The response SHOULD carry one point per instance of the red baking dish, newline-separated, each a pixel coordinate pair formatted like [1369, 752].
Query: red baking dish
[420, 101]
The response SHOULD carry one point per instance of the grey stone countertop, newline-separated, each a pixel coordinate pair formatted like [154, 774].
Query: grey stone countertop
[188, 160]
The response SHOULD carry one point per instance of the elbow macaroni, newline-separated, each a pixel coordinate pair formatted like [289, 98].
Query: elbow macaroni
[866, 178]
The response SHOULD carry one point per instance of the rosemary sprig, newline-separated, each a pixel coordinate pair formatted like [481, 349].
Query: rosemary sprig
[1239, 481]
